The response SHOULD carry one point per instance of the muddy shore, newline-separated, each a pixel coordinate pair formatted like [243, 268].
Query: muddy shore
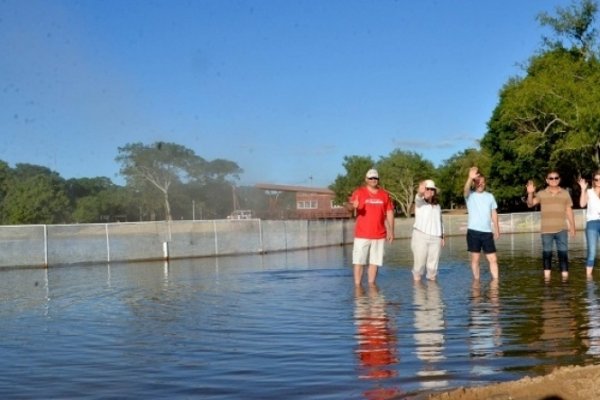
[564, 383]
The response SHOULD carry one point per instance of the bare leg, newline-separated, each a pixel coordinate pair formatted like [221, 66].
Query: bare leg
[475, 289]
[358, 273]
[493, 260]
[547, 274]
[372, 274]
[475, 265]
[563, 262]
[588, 271]
[359, 291]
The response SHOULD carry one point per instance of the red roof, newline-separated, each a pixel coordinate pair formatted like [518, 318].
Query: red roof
[289, 188]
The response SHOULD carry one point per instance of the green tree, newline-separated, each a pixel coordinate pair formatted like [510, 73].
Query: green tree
[84, 195]
[356, 167]
[573, 24]
[216, 187]
[82, 187]
[218, 200]
[5, 173]
[452, 175]
[221, 170]
[150, 201]
[37, 199]
[26, 170]
[549, 119]
[114, 203]
[161, 164]
[400, 172]
[171, 168]
[34, 194]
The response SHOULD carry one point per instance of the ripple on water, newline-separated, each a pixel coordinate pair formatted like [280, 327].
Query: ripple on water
[290, 326]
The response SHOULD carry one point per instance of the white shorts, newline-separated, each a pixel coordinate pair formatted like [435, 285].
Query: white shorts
[368, 251]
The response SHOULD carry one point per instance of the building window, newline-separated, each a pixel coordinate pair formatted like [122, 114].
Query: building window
[333, 205]
[306, 204]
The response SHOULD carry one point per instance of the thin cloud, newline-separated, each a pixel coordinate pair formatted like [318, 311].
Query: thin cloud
[451, 142]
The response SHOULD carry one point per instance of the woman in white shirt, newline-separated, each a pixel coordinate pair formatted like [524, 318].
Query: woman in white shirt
[428, 231]
[591, 199]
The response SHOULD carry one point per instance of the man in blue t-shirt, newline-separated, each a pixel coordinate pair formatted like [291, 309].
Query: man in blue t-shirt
[482, 228]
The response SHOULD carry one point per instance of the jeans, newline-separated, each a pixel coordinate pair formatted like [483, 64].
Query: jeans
[561, 239]
[592, 232]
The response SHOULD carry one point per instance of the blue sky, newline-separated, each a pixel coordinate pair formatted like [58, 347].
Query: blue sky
[284, 88]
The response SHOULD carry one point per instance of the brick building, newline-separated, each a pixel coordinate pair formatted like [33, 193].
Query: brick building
[311, 203]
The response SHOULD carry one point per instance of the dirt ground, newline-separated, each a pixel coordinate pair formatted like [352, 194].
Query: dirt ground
[566, 383]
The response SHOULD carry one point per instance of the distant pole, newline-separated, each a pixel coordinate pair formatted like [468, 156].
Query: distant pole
[193, 210]
[235, 206]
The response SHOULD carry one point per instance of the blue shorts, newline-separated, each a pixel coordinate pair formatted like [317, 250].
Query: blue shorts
[477, 241]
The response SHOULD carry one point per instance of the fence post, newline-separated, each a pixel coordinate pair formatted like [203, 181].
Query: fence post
[107, 244]
[165, 250]
[260, 238]
[216, 238]
[46, 246]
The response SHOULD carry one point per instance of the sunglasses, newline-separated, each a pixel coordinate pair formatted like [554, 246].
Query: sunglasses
[432, 189]
[553, 178]
[373, 179]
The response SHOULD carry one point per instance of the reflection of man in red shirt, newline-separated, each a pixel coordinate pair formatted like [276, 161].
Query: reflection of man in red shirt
[377, 341]
[374, 224]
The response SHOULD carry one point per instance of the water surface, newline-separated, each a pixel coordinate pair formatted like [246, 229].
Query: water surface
[291, 325]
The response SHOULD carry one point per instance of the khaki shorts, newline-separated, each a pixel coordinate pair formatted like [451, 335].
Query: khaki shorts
[368, 252]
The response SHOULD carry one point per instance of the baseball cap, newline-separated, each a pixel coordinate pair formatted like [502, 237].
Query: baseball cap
[429, 184]
[372, 173]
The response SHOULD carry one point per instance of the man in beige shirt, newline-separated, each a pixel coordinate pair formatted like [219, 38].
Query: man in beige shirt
[556, 212]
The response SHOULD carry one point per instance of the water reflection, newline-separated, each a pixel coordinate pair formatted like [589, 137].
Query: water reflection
[557, 321]
[376, 336]
[429, 333]
[593, 314]
[292, 324]
[485, 331]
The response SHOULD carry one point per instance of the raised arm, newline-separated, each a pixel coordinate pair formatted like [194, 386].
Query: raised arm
[355, 203]
[583, 198]
[473, 174]
[420, 195]
[421, 189]
[532, 200]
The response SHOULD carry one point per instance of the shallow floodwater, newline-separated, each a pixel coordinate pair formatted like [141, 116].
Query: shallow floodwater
[291, 326]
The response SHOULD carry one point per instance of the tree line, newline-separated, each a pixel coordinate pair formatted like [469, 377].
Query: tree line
[548, 118]
[163, 181]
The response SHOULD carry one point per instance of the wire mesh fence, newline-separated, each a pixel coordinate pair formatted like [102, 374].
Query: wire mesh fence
[48, 245]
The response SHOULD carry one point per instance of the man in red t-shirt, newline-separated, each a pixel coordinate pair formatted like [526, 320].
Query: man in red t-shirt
[374, 224]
